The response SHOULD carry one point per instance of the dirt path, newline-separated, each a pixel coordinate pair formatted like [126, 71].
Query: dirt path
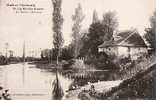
[102, 86]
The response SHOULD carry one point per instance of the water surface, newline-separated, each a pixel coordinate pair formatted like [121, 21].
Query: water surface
[26, 82]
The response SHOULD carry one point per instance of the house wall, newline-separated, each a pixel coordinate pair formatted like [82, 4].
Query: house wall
[123, 52]
[100, 49]
[109, 50]
[136, 52]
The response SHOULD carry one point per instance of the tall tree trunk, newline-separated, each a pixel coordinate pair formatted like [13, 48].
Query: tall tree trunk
[58, 43]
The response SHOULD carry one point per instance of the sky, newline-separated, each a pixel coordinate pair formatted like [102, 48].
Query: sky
[36, 29]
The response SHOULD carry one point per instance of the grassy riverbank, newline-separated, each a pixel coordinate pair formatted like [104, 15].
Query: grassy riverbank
[100, 87]
[138, 83]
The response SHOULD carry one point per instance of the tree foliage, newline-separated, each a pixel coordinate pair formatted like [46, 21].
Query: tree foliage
[110, 23]
[57, 25]
[96, 35]
[150, 38]
[151, 32]
[67, 52]
[77, 19]
[153, 20]
[99, 32]
[95, 17]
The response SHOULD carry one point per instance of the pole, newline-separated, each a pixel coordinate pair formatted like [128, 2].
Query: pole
[24, 52]
[6, 55]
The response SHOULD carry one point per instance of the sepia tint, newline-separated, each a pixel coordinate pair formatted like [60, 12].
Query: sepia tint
[77, 49]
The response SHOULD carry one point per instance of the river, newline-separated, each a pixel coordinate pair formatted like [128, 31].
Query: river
[26, 82]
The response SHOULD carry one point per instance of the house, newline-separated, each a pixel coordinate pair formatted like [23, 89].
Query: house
[127, 43]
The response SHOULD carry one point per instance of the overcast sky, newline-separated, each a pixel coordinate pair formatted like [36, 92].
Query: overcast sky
[36, 29]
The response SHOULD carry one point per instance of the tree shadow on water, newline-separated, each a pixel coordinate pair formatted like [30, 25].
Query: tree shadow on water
[57, 92]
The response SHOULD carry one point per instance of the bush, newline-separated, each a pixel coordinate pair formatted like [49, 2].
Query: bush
[3, 60]
[68, 64]
[102, 62]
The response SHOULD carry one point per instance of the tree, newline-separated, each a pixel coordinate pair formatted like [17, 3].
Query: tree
[95, 38]
[99, 32]
[67, 52]
[84, 42]
[77, 19]
[110, 23]
[153, 29]
[57, 26]
[153, 21]
[150, 35]
[86, 39]
[57, 90]
[95, 17]
[58, 43]
[150, 38]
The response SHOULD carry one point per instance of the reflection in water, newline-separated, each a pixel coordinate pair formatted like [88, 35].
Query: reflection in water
[82, 78]
[1, 76]
[57, 92]
[23, 73]
[26, 82]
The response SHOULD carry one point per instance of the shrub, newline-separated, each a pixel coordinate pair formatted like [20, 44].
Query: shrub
[102, 62]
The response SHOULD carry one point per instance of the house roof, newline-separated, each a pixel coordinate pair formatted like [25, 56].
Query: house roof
[126, 38]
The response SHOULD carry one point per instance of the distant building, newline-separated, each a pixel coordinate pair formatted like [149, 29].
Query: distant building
[125, 44]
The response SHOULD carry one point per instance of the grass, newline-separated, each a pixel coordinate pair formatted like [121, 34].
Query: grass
[138, 67]
[133, 79]
[138, 83]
